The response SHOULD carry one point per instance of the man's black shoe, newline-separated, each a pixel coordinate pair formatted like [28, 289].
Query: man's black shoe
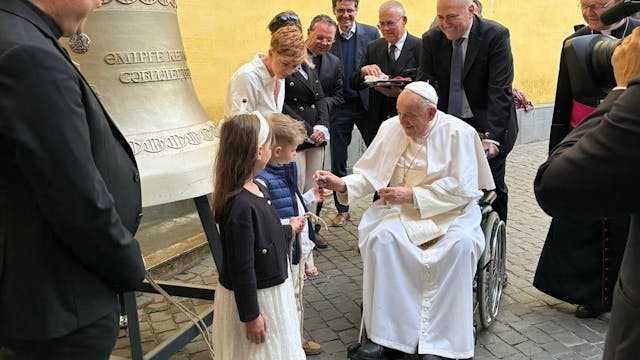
[434, 357]
[373, 351]
[431, 357]
[588, 311]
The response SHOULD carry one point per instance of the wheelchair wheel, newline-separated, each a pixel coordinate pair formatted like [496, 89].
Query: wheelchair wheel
[491, 269]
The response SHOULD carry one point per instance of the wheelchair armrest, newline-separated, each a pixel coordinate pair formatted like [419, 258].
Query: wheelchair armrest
[488, 198]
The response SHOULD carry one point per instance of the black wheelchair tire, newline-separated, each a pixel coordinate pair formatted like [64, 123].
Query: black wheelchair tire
[491, 269]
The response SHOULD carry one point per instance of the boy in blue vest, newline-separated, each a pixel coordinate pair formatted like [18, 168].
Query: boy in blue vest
[280, 177]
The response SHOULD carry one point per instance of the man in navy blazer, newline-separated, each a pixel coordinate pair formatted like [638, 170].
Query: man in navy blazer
[350, 45]
[487, 76]
[69, 193]
[397, 53]
[593, 173]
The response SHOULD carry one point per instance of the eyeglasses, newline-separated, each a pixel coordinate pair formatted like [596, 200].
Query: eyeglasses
[325, 40]
[389, 23]
[595, 7]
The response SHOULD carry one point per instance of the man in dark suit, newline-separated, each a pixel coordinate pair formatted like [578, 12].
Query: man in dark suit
[482, 86]
[320, 37]
[69, 193]
[566, 108]
[350, 45]
[593, 174]
[397, 53]
[585, 275]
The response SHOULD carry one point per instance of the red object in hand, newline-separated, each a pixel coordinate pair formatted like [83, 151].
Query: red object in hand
[402, 78]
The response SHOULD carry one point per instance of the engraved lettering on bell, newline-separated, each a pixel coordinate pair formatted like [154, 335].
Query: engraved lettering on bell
[154, 145]
[79, 43]
[141, 57]
[146, 76]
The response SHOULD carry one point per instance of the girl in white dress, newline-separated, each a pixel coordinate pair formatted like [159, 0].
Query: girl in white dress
[255, 314]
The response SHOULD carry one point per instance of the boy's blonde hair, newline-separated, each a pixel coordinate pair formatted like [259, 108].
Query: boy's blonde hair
[286, 130]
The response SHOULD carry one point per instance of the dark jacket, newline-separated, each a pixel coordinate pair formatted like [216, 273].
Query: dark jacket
[254, 247]
[304, 101]
[581, 259]
[330, 75]
[281, 180]
[382, 107]
[564, 97]
[592, 174]
[364, 35]
[487, 78]
[69, 190]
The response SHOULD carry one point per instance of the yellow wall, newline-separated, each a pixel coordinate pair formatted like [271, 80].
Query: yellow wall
[219, 36]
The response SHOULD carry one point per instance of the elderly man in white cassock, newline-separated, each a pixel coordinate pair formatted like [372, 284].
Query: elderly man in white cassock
[420, 242]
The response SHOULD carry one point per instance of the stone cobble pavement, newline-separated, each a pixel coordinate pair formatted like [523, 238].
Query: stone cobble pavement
[530, 325]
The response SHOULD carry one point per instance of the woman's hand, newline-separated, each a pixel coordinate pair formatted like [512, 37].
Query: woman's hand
[317, 137]
[256, 330]
[297, 224]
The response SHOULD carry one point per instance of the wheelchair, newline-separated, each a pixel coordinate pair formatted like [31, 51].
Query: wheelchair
[490, 277]
[491, 273]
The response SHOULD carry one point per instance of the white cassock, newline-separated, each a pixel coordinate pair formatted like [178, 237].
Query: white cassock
[415, 299]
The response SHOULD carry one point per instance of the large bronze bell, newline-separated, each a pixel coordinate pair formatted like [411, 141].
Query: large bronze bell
[136, 63]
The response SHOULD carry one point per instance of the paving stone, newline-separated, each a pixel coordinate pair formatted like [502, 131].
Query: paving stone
[529, 348]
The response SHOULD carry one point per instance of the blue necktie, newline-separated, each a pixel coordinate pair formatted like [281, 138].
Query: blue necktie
[455, 84]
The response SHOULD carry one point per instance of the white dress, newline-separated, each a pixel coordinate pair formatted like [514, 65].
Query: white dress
[415, 299]
[277, 306]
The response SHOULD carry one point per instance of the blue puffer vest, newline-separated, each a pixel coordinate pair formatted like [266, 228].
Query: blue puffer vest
[281, 180]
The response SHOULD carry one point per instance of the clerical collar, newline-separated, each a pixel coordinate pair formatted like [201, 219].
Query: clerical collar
[615, 27]
[55, 29]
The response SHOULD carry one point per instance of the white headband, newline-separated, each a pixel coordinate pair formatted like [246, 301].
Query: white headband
[264, 128]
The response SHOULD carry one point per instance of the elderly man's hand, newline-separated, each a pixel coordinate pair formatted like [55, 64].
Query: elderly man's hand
[327, 180]
[625, 59]
[371, 70]
[396, 195]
